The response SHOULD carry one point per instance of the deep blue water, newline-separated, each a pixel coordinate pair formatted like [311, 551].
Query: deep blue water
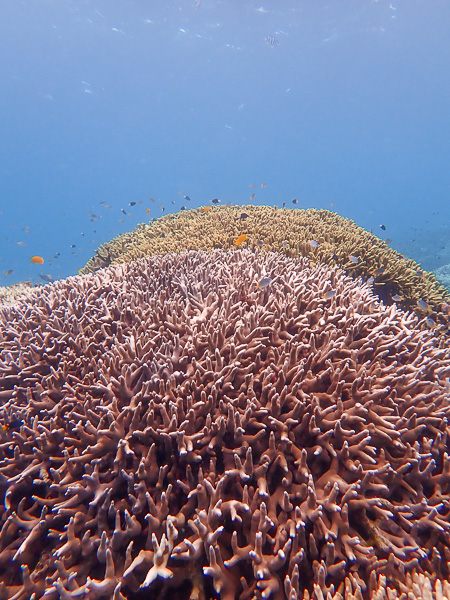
[117, 101]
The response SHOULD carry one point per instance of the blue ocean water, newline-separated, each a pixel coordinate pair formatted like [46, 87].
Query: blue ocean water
[110, 102]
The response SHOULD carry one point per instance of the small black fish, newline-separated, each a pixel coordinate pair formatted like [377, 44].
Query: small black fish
[73, 245]
[295, 201]
[183, 208]
[57, 255]
[173, 201]
[383, 227]
[131, 203]
[187, 198]
[284, 204]
[215, 201]
[124, 212]
[243, 216]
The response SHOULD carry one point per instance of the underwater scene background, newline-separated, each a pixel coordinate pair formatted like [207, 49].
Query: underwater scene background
[224, 300]
[340, 105]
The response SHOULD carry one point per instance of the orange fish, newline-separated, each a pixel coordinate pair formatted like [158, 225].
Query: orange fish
[263, 185]
[252, 197]
[147, 211]
[206, 208]
[37, 260]
[241, 239]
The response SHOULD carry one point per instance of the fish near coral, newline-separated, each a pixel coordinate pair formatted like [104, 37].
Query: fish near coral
[430, 323]
[264, 283]
[423, 305]
[330, 294]
[241, 239]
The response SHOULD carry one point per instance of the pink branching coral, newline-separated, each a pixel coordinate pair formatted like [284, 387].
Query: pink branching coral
[172, 428]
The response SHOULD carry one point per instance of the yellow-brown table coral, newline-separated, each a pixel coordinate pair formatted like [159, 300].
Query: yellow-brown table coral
[293, 232]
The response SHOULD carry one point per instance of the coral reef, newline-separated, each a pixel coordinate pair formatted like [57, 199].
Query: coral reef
[10, 294]
[172, 426]
[443, 275]
[340, 242]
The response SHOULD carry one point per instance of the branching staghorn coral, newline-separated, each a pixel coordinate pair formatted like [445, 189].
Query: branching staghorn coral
[337, 241]
[171, 427]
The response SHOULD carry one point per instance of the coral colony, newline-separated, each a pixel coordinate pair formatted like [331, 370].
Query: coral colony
[172, 428]
[320, 235]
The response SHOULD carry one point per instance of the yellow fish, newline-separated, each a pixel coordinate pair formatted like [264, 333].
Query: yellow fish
[241, 239]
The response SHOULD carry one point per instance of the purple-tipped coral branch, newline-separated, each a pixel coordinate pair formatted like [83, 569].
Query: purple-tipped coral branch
[169, 427]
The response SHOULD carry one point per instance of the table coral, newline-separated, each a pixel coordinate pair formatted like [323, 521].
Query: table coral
[320, 235]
